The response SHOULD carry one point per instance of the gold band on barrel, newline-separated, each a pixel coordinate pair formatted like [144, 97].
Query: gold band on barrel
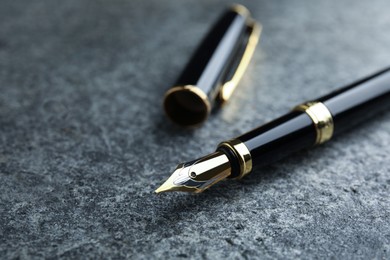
[242, 153]
[321, 117]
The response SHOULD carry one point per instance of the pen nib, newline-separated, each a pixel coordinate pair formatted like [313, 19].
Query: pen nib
[198, 175]
[174, 182]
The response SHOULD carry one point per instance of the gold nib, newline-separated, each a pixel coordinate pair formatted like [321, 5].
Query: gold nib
[198, 175]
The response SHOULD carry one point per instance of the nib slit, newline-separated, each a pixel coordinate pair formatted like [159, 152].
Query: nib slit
[198, 175]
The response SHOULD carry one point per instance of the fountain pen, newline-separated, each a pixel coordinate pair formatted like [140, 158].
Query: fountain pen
[306, 125]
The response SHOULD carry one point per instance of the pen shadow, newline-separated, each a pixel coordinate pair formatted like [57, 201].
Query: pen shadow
[230, 190]
[167, 131]
[187, 205]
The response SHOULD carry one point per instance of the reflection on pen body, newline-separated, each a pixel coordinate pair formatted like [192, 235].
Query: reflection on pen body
[311, 123]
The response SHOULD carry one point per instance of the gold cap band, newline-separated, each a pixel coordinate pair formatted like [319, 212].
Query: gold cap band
[321, 117]
[242, 153]
[187, 105]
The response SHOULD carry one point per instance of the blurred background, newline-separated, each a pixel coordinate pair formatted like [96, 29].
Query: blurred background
[84, 140]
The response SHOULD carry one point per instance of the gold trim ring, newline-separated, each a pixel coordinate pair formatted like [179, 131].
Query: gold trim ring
[321, 117]
[187, 105]
[242, 153]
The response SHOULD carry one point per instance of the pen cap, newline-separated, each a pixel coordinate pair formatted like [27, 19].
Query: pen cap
[214, 69]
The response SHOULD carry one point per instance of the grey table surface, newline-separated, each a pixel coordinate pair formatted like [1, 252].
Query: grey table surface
[84, 140]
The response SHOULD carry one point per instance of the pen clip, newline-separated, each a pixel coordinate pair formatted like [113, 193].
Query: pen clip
[238, 67]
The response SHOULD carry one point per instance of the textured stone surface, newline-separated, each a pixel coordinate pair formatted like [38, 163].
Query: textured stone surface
[84, 142]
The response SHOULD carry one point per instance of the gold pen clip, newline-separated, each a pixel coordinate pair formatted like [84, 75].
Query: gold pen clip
[245, 52]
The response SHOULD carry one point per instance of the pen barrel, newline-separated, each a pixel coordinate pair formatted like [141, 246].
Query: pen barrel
[297, 130]
[359, 101]
[279, 138]
[211, 61]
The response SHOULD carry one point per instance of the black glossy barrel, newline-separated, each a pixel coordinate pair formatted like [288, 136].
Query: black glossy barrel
[349, 106]
[279, 138]
[359, 101]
